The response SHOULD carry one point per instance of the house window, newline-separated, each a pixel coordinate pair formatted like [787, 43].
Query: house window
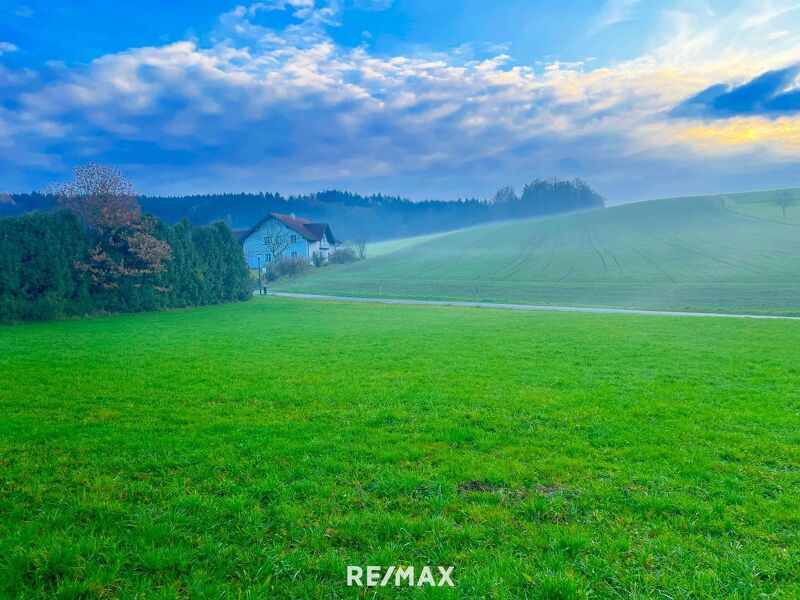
[293, 239]
[294, 254]
[268, 257]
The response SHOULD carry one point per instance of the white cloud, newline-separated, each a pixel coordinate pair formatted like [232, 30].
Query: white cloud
[737, 41]
[614, 11]
[6, 47]
[293, 106]
[375, 5]
[23, 11]
[776, 35]
[768, 12]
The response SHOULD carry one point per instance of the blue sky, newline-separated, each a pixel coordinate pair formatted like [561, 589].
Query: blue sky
[426, 99]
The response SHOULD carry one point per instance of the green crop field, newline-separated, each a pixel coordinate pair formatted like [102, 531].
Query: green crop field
[255, 450]
[763, 205]
[394, 245]
[730, 253]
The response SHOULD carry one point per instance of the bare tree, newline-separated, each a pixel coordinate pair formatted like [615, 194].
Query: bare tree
[504, 194]
[784, 201]
[361, 248]
[101, 196]
[275, 239]
[106, 202]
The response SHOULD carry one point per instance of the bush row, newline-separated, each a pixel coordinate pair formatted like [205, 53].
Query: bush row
[43, 273]
[285, 266]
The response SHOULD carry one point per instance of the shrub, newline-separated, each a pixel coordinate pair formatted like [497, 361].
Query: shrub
[344, 255]
[290, 266]
[318, 259]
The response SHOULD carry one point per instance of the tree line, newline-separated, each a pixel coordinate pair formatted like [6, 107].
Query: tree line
[98, 252]
[353, 216]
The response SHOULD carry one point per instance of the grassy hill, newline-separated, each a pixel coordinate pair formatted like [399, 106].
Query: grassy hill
[711, 253]
[762, 205]
[255, 450]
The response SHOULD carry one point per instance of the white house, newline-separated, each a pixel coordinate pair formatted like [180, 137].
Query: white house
[303, 237]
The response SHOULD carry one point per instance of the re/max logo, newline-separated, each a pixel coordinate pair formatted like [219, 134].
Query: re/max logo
[398, 576]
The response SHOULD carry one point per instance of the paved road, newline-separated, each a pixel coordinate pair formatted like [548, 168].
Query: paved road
[577, 309]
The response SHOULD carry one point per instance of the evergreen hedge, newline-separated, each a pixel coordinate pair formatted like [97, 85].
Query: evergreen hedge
[41, 275]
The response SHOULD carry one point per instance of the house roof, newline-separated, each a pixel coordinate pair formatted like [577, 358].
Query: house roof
[313, 232]
[316, 229]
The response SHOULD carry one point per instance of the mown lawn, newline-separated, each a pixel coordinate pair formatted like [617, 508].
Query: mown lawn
[257, 449]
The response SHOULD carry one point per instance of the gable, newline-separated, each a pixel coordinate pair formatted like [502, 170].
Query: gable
[311, 232]
[255, 233]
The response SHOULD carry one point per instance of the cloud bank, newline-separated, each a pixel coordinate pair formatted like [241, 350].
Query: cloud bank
[283, 107]
[772, 93]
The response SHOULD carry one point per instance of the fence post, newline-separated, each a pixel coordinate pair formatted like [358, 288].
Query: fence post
[260, 284]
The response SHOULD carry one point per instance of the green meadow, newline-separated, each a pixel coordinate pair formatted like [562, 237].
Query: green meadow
[731, 253]
[255, 450]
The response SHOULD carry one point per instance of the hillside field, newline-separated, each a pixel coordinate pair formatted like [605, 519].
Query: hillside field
[731, 253]
[255, 450]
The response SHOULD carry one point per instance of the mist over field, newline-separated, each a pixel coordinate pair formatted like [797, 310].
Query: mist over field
[731, 253]
[374, 217]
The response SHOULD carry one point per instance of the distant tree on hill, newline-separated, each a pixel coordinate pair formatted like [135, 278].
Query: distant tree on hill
[785, 200]
[5, 198]
[504, 194]
[361, 248]
[106, 203]
[550, 196]
[275, 239]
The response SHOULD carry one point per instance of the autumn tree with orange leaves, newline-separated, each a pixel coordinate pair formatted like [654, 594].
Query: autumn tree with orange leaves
[105, 201]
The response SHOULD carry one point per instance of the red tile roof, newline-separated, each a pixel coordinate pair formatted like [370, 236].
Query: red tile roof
[313, 232]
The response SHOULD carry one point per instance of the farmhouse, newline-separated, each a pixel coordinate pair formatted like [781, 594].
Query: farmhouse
[289, 236]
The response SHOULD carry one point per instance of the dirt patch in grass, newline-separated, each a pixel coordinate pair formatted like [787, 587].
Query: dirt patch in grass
[475, 486]
[549, 490]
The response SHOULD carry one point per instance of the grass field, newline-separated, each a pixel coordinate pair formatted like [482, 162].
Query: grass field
[762, 205]
[257, 449]
[713, 253]
[388, 246]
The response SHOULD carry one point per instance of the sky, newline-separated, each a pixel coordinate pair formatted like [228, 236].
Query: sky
[445, 99]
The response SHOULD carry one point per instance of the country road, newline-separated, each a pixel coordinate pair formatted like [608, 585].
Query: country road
[500, 305]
